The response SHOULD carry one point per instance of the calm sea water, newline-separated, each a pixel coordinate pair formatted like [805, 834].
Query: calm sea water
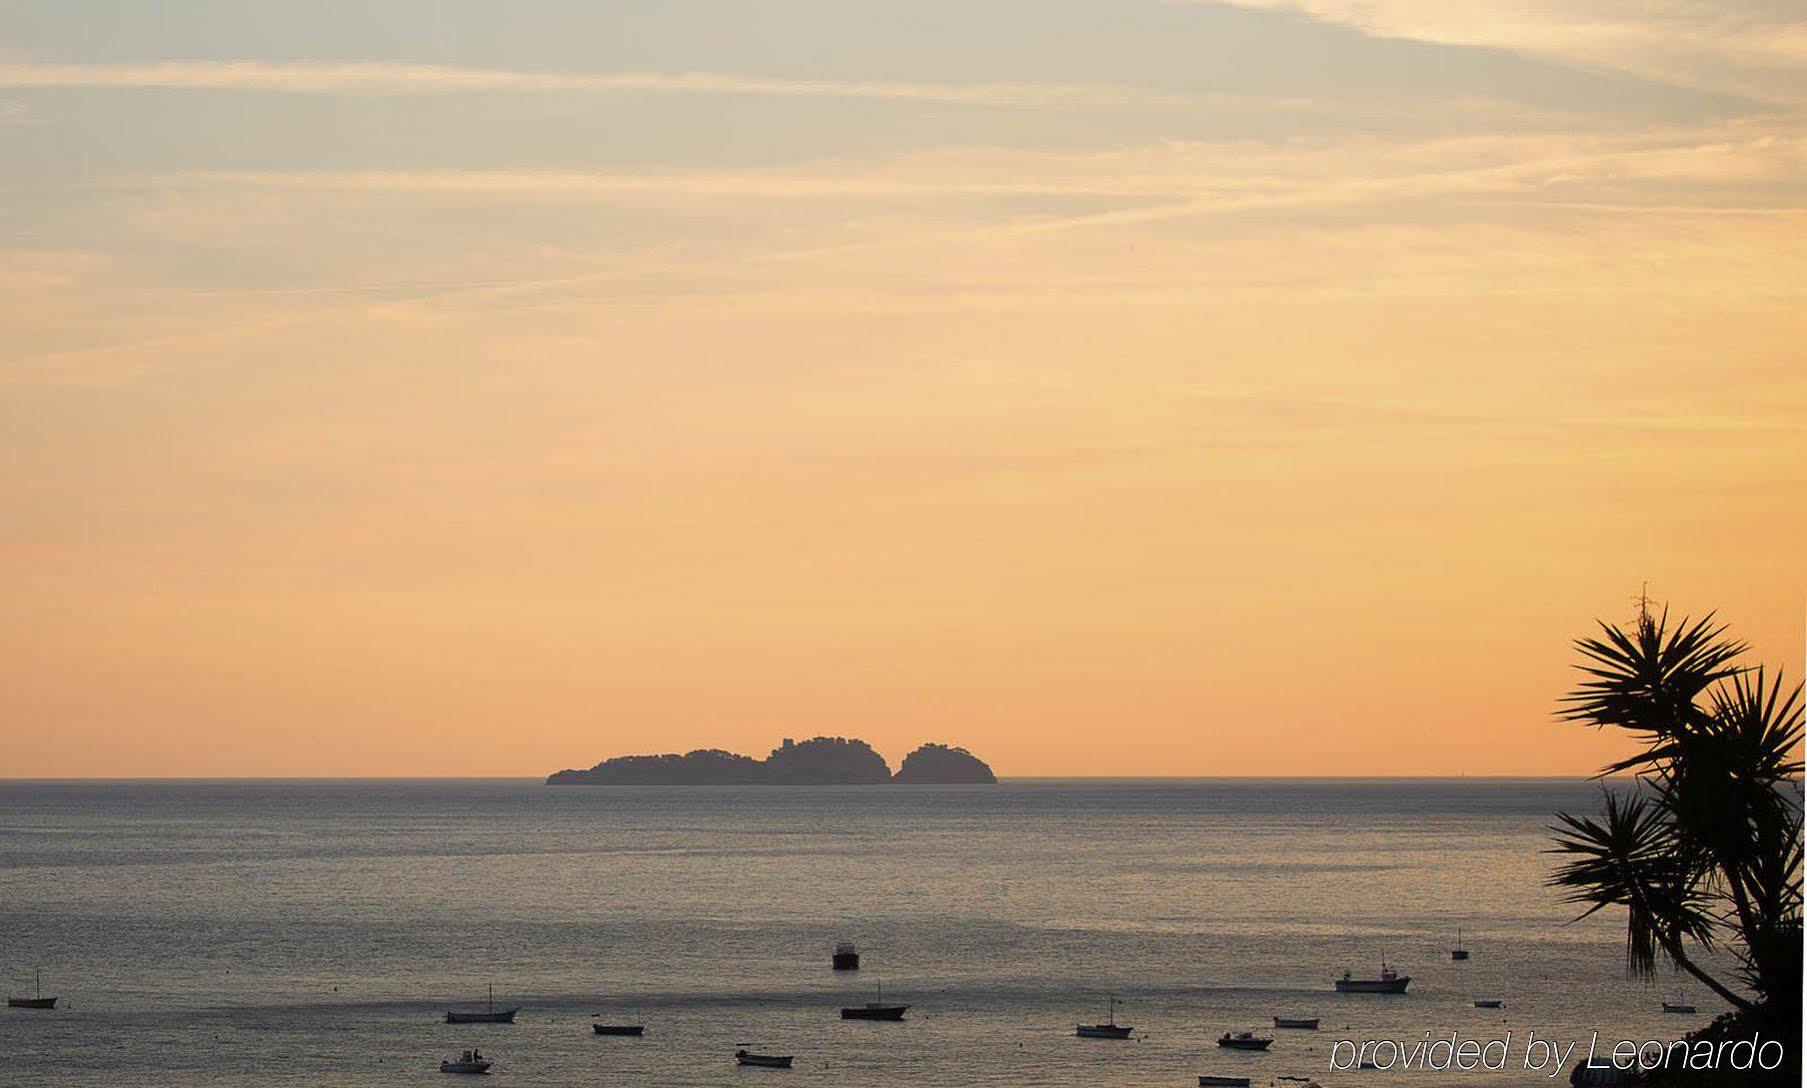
[291, 933]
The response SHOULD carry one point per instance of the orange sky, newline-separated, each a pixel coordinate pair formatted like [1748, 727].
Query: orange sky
[453, 409]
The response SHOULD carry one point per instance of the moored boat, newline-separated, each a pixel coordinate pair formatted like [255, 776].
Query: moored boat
[875, 1010]
[1458, 952]
[489, 1014]
[1301, 1023]
[1244, 1040]
[471, 1061]
[1490, 1003]
[1206, 1080]
[846, 957]
[619, 1029]
[766, 1061]
[1389, 982]
[38, 1002]
[1678, 1006]
[1110, 1029]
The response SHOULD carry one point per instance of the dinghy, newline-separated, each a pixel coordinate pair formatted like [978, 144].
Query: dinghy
[1300, 1023]
[768, 1061]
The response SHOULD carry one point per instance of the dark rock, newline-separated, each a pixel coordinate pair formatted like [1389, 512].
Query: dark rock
[942, 765]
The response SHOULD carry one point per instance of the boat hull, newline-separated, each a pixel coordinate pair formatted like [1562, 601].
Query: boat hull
[1206, 1080]
[1487, 1004]
[1458, 954]
[764, 1061]
[1102, 1031]
[619, 1029]
[1297, 1023]
[874, 1012]
[500, 1016]
[31, 1002]
[464, 1067]
[1245, 1044]
[847, 961]
[1669, 1007]
[1373, 985]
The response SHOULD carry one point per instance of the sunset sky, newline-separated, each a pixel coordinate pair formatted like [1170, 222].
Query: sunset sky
[1110, 387]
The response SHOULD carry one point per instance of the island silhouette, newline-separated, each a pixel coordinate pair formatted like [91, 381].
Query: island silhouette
[819, 761]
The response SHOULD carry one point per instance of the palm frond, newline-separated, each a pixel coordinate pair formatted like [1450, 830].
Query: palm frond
[1647, 680]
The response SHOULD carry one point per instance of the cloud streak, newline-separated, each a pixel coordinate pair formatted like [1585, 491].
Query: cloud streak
[427, 79]
[1729, 47]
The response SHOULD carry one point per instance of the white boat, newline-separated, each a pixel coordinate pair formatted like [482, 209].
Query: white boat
[471, 1061]
[1110, 1029]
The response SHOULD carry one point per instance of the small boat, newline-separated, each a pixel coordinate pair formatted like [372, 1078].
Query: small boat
[38, 1002]
[874, 1010]
[767, 1061]
[1301, 1023]
[1678, 1006]
[1206, 1080]
[846, 957]
[1492, 1004]
[1389, 982]
[1244, 1040]
[619, 1029]
[471, 1061]
[1458, 952]
[1110, 1029]
[489, 1015]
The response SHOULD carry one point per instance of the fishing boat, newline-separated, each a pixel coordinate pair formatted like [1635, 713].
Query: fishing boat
[767, 1061]
[1243, 1040]
[1110, 1029]
[38, 1002]
[489, 1015]
[1487, 1004]
[1458, 952]
[619, 1029]
[874, 1010]
[846, 957]
[1389, 982]
[471, 1061]
[1206, 1080]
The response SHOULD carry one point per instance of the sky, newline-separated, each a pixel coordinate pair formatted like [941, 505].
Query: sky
[1108, 386]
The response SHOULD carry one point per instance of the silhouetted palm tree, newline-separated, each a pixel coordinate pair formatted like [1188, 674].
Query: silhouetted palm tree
[1706, 852]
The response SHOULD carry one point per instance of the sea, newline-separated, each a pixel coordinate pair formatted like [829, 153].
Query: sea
[315, 932]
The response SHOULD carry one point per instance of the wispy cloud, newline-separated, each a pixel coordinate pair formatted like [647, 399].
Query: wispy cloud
[425, 79]
[1729, 46]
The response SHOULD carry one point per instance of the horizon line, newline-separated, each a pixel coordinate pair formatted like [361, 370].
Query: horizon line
[6, 780]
